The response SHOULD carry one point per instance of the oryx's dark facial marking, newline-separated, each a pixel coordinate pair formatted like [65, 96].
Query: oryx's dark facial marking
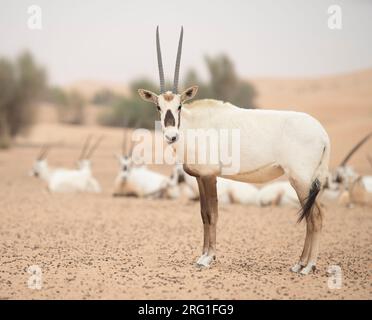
[181, 178]
[169, 119]
[157, 107]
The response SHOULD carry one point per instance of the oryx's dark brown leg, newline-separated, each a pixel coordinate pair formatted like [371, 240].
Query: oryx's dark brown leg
[211, 202]
[308, 258]
[204, 215]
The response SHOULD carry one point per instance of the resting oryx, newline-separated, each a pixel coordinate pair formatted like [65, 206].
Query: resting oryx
[180, 186]
[137, 180]
[352, 187]
[271, 143]
[277, 193]
[67, 180]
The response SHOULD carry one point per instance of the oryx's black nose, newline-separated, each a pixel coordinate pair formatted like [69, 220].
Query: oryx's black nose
[171, 139]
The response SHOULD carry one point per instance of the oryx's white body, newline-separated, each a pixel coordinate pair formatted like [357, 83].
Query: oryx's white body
[367, 182]
[69, 180]
[272, 143]
[65, 180]
[139, 181]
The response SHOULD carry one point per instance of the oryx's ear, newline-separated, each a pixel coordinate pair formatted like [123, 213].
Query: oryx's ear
[148, 96]
[189, 93]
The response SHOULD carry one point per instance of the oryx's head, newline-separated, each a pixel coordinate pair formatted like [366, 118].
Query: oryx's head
[178, 175]
[125, 159]
[169, 103]
[40, 165]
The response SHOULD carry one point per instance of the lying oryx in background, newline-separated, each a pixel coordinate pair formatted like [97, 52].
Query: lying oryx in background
[352, 188]
[272, 143]
[229, 191]
[137, 180]
[277, 193]
[68, 180]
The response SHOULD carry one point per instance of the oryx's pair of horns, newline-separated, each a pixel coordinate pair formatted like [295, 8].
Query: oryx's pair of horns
[354, 149]
[87, 153]
[43, 152]
[160, 63]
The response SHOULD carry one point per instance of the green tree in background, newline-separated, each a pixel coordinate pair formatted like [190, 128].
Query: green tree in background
[224, 84]
[7, 92]
[70, 105]
[22, 84]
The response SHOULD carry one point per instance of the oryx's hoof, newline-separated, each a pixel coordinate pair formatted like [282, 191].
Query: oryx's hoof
[201, 258]
[310, 267]
[205, 261]
[297, 267]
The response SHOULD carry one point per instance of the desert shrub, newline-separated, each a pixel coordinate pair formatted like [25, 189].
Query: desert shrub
[224, 84]
[22, 84]
[57, 96]
[105, 97]
[72, 111]
[70, 105]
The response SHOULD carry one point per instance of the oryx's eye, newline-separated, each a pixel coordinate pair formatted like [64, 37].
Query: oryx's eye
[158, 108]
[179, 107]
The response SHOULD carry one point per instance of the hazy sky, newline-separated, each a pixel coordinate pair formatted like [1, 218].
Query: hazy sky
[114, 40]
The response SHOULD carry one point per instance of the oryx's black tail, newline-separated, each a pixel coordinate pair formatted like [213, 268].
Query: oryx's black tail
[309, 202]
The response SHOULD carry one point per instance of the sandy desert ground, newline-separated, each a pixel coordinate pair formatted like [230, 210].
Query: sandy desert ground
[100, 247]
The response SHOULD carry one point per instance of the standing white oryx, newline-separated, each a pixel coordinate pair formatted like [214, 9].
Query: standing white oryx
[134, 180]
[67, 180]
[271, 143]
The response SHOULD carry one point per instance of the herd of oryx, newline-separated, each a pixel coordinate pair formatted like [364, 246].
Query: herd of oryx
[344, 186]
[272, 144]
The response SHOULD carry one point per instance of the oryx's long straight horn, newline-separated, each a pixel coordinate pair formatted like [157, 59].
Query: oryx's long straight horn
[85, 147]
[43, 152]
[124, 145]
[125, 142]
[354, 149]
[178, 62]
[131, 146]
[160, 62]
[94, 147]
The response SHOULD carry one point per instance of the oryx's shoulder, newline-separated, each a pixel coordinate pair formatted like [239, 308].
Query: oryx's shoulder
[208, 103]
